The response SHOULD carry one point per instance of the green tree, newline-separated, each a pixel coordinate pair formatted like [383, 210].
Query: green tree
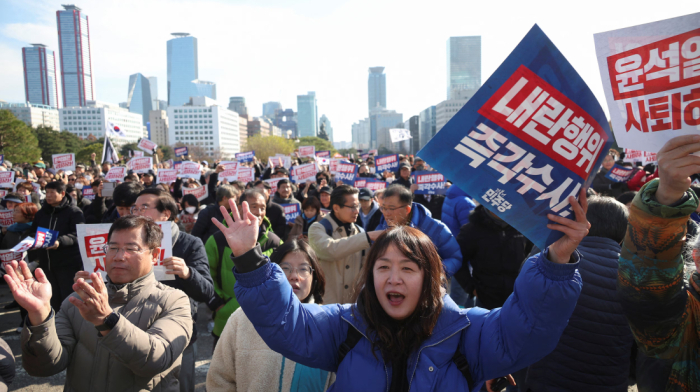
[165, 152]
[267, 146]
[320, 144]
[17, 141]
[84, 154]
[50, 142]
[73, 143]
[347, 151]
[124, 150]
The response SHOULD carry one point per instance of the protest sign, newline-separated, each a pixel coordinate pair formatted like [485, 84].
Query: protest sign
[429, 183]
[374, 185]
[169, 164]
[305, 172]
[387, 162]
[649, 157]
[7, 256]
[200, 193]
[140, 165]
[373, 152]
[651, 78]
[273, 184]
[633, 155]
[364, 157]
[6, 179]
[245, 156]
[245, 174]
[337, 155]
[166, 176]
[137, 154]
[307, 151]
[333, 165]
[619, 173]
[147, 146]
[346, 173]
[399, 134]
[2, 193]
[190, 170]
[229, 165]
[360, 183]
[37, 187]
[6, 218]
[88, 193]
[286, 160]
[323, 154]
[291, 211]
[180, 151]
[533, 135]
[63, 162]
[116, 174]
[44, 238]
[93, 238]
[229, 175]
[325, 211]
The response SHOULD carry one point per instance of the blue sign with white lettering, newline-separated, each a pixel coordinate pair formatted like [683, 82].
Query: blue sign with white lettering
[429, 183]
[247, 156]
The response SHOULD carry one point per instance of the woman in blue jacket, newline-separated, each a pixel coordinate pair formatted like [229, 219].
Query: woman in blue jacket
[413, 336]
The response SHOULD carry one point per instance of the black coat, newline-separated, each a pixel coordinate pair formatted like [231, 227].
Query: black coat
[204, 228]
[275, 214]
[401, 181]
[63, 219]
[434, 205]
[495, 252]
[607, 187]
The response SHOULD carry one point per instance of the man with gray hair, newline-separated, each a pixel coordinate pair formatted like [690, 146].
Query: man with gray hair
[203, 228]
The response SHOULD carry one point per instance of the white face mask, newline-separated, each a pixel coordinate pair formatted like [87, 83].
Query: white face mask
[78, 185]
[88, 177]
[191, 210]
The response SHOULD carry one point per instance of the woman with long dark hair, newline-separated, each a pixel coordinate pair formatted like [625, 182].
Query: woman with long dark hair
[403, 333]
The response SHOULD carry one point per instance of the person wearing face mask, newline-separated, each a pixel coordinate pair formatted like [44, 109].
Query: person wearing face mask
[402, 332]
[243, 362]
[190, 212]
[311, 212]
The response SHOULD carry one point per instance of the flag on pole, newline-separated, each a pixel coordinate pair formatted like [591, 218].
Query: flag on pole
[109, 154]
[114, 130]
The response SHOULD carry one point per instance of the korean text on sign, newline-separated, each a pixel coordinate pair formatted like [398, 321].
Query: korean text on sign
[307, 151]
[166, 176]
[247, 156]
[291, 211]
[6, 179]
[180, 151]
[429, 183]
[387, 163]
[140, 165]
[619, 173]
[63, 161]
[304, 172]
[147, 145]
[115, 174]
[346, 172]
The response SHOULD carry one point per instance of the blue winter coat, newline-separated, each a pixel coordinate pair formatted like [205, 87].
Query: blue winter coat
[593, 353]
[456, 208]
[495, 343]
[439, 234]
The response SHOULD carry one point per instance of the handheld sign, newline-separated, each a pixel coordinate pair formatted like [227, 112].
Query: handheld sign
[619, 173]
[8, 256]
[190, 170]
[375, 185]
[200, 193]
[245, 156]
[169, 163]
[137, 154]
[180, 151]
[307, 151]
[387, 162]
[304, 172]
[7, 178]
[346, 172]
[88, 193]
[147, 146]
[166, 176]
[651, 75]
[229, 165]
[633, 155]
[44, 238]
[229, 175]
[364, 157]
[140, 165]
[273, 184]
[429, 183]
[115, 174]
[245, 174]
[63, 162]
[532, 136]
[291, 211]
[2, 193]
[323, 154]
[399, 134]
[6, 218]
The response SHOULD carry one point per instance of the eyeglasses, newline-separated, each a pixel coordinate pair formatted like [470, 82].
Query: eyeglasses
[392, 209]
[140, 210]
[71, 179]
[357, 207]
[304, 271]
[129, 250]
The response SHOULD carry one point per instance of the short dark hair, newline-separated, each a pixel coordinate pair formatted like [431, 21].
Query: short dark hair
[240, 185]
[164, 202]
[283, 181]
[311, 202]
[249, 193]
[264, 183]
[608, 218]
[627, 197]
[126, 193]
[339, 193]
[191, 200]
[401, 191]
[226, 191]
[318, 287]
[151, 233]
[58, 186]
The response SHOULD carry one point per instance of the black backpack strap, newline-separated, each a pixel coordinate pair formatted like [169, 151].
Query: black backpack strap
[328, 226]
[463, 365]
[351, 340]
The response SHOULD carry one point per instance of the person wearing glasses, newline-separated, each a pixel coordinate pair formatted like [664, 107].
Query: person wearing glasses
[341, 244]
[243, 362]
[398, 209]
[126, 334]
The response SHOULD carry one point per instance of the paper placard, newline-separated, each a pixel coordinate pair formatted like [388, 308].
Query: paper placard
[429, 183]
[307, 151]
[7, 178]
[399, 134]
[247, 156]
[116, 174]
[291, 211]
[6, 218]
[166, 176]
[619, 173]
[63, 162]
[147, 146]
[88, 193]
[304, 172]
[200, 193]
[180, 151]
[387, 163]
[190, 170]
[346, 173]
[140, 165]
[245, 174]
[273, 184]
[323, 154]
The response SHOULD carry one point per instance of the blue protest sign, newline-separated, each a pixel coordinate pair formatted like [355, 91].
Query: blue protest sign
[45, 238]
[346, 172]
[387, 163]
[2, 159]
[323, 154]
[245, 156]
[533, 135]
[364, 156]
[291, 211]
[619, 173]
[180, 151]
[429, 183]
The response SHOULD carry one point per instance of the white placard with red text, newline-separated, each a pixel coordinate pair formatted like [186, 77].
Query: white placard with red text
[304, 172]
[200, 193]
[63, 162]
[245, 174]
[6, 179]
[116, 174]
[147, 145]
[229, 165]
[190, 170]
[273, 184]
[6, 218]
[166, 176]
[2, 193]
[140, 165]
[307, 151]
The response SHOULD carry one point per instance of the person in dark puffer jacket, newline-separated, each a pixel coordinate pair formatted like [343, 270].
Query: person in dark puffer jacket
[593, 353]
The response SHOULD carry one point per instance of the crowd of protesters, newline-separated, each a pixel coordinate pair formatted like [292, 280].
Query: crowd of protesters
[384, 290]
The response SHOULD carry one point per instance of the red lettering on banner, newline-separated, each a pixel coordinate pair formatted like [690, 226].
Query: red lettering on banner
[385, 160]
[540, 115]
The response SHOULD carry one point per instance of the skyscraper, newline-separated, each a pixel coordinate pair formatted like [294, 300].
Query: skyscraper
[139, 100]
[40, 75]
[376, 87]
[153, 81]
[237, 104]
[183, 68]
[269, 109]
[76, 60]
[307, 115]
[463, 66]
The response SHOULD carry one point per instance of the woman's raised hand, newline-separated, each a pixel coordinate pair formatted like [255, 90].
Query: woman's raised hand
[574, 230]
[242, 231]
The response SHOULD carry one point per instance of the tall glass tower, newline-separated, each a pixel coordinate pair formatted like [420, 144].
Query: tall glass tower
[307, 115]
[40, 75]
[153, 81]
[182, 68]
[139, 100]
[463, 66]
[376, 87]
[76, 61]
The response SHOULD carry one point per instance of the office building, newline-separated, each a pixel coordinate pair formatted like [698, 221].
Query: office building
[34, 115]
[361, 134]
[382, 120]
[183, 71]
[307, 115]
[286, 120]
[426, 126]
[162, 105]
[237, 104]
[342, 145]
[243, 131]
[463, 67]
[202, 122]
[153, 83]
[94, 118]
[270, 108]
[77, 79]
[40, 84]
[376, 87]
[329, 129]
[412, 145]
[139, 99]
[445, 110]
[259, 127]
[159, 127]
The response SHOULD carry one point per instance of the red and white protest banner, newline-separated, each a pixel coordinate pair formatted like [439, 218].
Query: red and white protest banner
[307, 151]
[375, 185]
[200, 193]
[649, 157]
[88, 193]
[63, 162]
[6, 179]
[229, 165]
[304, 172]
[166, 176]
[633, 155]
[7, 256]
[116, 174]
[273, 184]
[229, 175]
[147, 146]
[137, 154]
[651, 78]
[2, 193]
[190, 170]
[245, 174]
[140, 165]
[93, 238]
[6, 218]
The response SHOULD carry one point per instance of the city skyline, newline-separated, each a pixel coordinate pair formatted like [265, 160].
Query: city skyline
[338, 75]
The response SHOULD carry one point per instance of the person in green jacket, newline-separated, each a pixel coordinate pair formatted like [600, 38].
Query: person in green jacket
[224, 303]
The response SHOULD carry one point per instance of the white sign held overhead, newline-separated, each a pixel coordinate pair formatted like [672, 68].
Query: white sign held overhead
[399, 134]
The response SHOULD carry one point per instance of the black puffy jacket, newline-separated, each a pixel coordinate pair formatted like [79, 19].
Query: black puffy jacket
[62, 219]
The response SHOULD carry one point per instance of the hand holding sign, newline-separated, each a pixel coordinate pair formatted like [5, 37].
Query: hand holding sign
[676, 165]
[574, 230]
[33, 294]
